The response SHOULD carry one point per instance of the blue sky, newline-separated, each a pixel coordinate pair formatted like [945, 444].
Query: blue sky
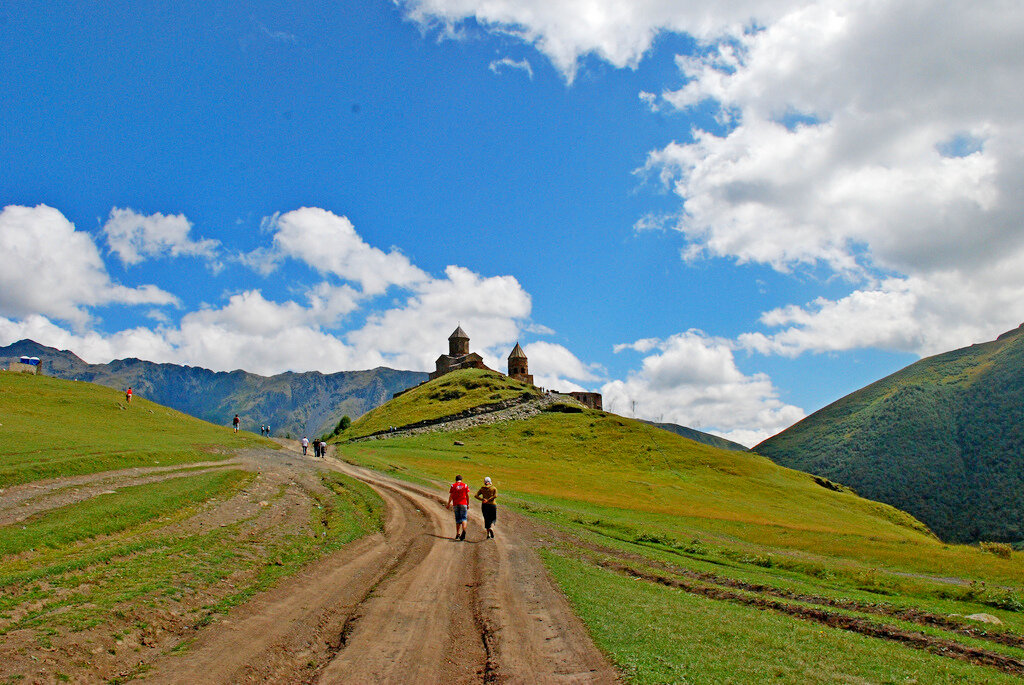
[721, 216]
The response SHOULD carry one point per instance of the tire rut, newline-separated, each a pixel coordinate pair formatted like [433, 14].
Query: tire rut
[408, 605]
[917, 640]
[908, 614]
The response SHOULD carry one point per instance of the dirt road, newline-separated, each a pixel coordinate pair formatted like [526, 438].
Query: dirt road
[410, 605]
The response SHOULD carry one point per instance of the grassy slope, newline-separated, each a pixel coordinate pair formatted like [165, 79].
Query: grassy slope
[450, 394]
[652, 495]
[97, 562]
[942, 439]
[53, 427]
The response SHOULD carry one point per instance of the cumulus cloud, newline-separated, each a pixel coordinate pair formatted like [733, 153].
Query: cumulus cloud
[50, 268]
[134, 237]
[92, 346]
[923, 316]
[414, 334]
[256, 334]
[330, 244]
[553, 360]
[881, 139]
[220, 340]
[57, 273]
[692, 380]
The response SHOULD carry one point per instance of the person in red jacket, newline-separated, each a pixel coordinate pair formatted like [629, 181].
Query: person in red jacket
[458, 498]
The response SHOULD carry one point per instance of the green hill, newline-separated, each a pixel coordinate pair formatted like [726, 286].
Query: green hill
[602, 458]
[942, 439]
[309, 403]
[52, 427]
[690, 563]
[451, 394]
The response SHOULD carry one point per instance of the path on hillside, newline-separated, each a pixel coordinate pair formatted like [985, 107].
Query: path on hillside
[409, 605]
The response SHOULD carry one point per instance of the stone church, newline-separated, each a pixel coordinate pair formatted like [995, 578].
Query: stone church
[459, 357]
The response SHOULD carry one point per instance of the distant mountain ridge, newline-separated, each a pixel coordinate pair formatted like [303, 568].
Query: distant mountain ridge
[699, 436]
[942, 439]
[309, 403]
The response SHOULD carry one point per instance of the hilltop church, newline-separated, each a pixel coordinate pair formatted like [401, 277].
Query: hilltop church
[459, 357]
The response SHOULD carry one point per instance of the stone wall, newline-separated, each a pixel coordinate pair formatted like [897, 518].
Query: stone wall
[18, 367]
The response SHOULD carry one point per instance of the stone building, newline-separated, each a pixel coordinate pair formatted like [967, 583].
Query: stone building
[458, 357]
[519, 366]
[591, 400]
[26, 365]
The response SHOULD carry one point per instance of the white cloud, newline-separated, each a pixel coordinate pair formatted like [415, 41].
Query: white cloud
[615, 31]
[54, 270]
[879, 138]
[248, 330]
[134, 237]
[918, 315]
[330, 244]
[414, 334]
[882, 139]
[693, 380]
[553, 361]
[498, 65]
[252, 333]
[216, 340]
[92, 346]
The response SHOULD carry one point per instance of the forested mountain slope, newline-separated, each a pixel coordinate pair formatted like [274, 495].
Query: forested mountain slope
[942, 439]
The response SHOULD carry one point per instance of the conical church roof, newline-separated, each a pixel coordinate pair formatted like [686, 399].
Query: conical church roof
[458, 333]
[517, 353]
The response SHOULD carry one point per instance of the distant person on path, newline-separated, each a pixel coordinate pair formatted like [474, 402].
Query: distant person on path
[458, 498]
[305, 444]
[263, 429]
[128, 395]
[235, 421]
[487, 494]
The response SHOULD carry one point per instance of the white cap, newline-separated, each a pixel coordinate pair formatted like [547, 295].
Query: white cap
[487, 480]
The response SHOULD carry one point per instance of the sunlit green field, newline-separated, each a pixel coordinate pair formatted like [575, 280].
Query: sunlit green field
[52, 427]
[655, 523]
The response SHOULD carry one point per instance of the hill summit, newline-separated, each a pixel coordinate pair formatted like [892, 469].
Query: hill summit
[942, 439]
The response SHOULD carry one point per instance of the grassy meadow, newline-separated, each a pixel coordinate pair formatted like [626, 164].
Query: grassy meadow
[52, 427]
[107, 562]
[693, 564]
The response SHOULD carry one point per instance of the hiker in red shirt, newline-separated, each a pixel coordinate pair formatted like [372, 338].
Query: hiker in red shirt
[458, 497]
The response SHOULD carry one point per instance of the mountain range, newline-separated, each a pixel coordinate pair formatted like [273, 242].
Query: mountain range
[942, 439]
[309, 403]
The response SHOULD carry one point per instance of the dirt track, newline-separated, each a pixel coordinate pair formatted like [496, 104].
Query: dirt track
[410, 605]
